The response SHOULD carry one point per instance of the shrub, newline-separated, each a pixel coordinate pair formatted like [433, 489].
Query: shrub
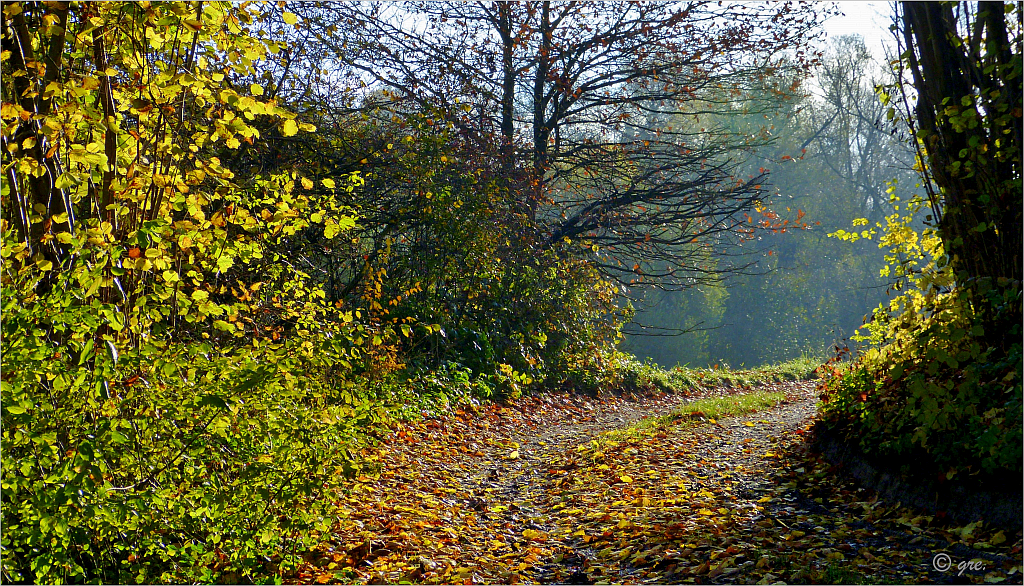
[934, 390]
[167, 462]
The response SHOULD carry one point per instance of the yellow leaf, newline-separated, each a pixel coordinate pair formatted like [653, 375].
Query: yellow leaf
[626, 479]
[289, 128]
[256, 89]
[307, 183]
[748, 423]
[290, 18]
[513, 455]
[534, 534]
[328, 183]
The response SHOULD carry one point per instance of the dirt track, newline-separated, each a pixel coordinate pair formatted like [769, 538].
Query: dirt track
[516, 493]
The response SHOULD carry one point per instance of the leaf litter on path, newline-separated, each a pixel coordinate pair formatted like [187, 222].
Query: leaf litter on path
[561, 489]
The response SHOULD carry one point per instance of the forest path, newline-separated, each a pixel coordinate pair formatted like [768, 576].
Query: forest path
[537, 491]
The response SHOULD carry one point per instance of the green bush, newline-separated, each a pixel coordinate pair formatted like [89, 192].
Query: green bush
[937, 395]
[935, 392]
[167, 462]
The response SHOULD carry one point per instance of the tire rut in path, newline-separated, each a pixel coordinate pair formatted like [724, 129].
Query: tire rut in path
[725, 457]
[508, 483]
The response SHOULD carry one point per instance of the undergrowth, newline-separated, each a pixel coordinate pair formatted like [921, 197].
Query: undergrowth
[635, 375]
[938, 393]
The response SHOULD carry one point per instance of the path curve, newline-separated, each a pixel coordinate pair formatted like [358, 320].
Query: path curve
[516, 493]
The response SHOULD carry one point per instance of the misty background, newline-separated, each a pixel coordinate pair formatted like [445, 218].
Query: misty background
[833, 158]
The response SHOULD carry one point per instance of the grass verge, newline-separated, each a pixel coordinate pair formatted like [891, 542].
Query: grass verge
[698, 412]
[636, 375]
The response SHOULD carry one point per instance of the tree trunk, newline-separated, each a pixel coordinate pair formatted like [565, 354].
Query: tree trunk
[44, 198]
[969, 125]
[508, 87]
[541, 131]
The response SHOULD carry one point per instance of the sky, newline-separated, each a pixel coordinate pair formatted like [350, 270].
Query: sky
[870, 20]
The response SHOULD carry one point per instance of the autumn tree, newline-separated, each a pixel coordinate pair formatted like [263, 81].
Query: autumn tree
[940, 393]
[579, 105]
[151, 328]
[962, 67]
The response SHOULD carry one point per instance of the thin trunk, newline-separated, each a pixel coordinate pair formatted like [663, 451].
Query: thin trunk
[508, 88]
[42, 198]
[541, 130]
[106, 196]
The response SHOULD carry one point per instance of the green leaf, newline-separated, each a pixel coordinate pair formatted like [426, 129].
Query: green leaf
[211, 400]
[111, 348]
